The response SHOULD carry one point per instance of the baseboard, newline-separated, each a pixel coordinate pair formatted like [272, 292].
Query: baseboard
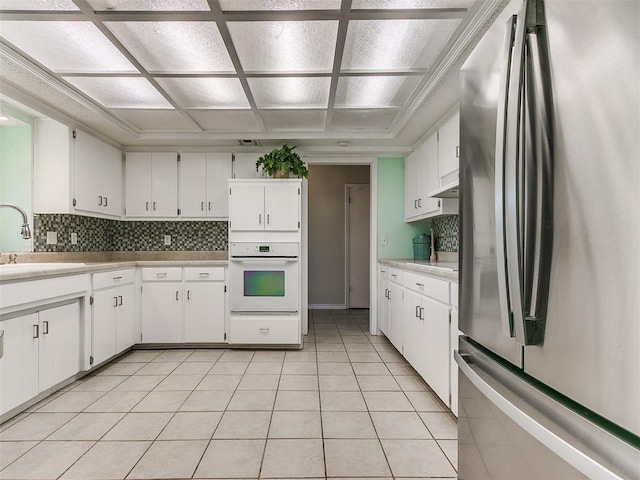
[327, 306]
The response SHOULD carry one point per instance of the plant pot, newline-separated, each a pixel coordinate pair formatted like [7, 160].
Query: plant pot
[281, 174]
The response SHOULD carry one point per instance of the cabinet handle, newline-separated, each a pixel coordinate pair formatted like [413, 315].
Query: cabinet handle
[421, 313]
[419, 203]
[457, 151]
[264, 330]
[417, 311]
[154, 205]
[204, 274]
[161, 274]
[415, 204]
[146, 206]
[115, 301]
[267, 219]
[99, 199]
[260, 218]
[106, 201]
[45, 327]
[394, 275]
[36, 331]
[177, 298]
[209, 206]
[438, 203]
[115, 279]
[420, 284]
[120, 298]
[201, 205]
[1, 344]
[188, 295]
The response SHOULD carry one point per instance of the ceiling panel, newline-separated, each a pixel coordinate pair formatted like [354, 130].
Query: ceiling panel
[166, 120]
[150, 5]
[384, 45]
[206, 92]
[226, 120]
[375, 91]
[120, 92]
[306, 46]
[290, 91]
[38, 5]
[66, 46]
[408, 4]
[280, 4]
[294, 120]
[362, 119]
[175, 47]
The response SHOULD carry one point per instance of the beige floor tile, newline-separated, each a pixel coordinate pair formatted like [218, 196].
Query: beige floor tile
[107, 461]
[193, 368]
[441, 425]
[298, 382]
[140, 356]
[417, 458]
[377, 383]
[360, 347]
[36, 426]
[238, 356]
[354, 339]
[298, 356]
[205, 356]
[231, 459]
[170, 459]
[71, 402]
[243, 425]
[207, 401]
[400, 425]
[269, 356]
[179, 382]
[344, 383]
[140, 383]
[335, 369]
[347, 425]
[293, 459]
[252, 400]
[370, 369]
[342, 401]
[336, 346]
[355, 458]
[219, 382]
[364, 357]
[122, 368]
[400, 369]
[116, 401]
[297, 400]
[392, 357]
[12, 421]
[450, 449]
[295, 425]
[174, 356]
[411, 383]
[264, 368]
[139, 426]
[59, 456]
[425, 402]
[162, 401]
[332, 357]
[387, 402]
[191, 426]
[87, 426]
[10, 451]
[229, 368]
[159, 368]
[300, 368]
[259, 382]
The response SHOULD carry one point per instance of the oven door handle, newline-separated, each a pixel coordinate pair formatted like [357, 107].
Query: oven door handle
[264, 260]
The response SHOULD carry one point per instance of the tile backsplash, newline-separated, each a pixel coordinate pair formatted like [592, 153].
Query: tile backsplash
[446, 230]
[103, 235]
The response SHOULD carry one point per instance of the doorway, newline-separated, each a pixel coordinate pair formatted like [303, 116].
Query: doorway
[357, 208]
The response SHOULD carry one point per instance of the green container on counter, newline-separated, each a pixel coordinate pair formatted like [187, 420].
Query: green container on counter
[421, 247]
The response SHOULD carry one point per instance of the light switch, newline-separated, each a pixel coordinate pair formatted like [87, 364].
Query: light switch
[167, 239]
[52, 238]
[74, 238]
[384, 241]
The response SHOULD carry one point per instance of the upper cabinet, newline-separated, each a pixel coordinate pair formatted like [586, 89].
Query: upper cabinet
[151, 180]
[272, 205]
[244, 166]
[448, 159]
[203, 184]
[75, 172]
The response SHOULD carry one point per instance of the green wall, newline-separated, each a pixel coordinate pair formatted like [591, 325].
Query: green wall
[391, 211]
[16, 182]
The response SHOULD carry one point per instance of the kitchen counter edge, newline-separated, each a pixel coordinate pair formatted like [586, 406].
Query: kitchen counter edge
[448, 272]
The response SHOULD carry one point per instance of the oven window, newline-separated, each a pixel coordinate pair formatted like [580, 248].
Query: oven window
[264, 283]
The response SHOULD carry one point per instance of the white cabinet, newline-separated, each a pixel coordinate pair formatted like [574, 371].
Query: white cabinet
[383, 300]
[272, 205]
[151, 181]
[397, 321]
[203, 184]
[449, 150]
[98, 176]
[204, 308]
[162, 312]
[244, 166]
[114, 326]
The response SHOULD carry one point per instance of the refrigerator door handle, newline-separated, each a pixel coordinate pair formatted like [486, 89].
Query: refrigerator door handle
[499, 188]
[470, 362]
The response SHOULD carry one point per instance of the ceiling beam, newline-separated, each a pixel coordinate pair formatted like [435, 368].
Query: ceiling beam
[343, 26]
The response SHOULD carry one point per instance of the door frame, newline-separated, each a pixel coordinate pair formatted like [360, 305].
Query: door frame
[372, 162]
[347, 224]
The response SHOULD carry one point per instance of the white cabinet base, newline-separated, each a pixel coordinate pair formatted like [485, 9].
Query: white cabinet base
[265, 330]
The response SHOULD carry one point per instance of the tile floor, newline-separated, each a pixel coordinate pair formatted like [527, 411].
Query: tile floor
[347, 405]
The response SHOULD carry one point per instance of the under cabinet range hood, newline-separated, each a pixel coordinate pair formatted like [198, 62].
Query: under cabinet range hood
[450, 190]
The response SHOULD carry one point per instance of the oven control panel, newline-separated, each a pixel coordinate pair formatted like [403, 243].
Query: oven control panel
[269, 249]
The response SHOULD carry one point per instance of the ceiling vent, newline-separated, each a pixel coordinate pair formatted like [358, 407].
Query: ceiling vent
[249, 143]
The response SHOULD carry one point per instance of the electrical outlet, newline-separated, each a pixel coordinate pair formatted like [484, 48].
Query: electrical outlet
[384, 241]
[74, 238]
[167, 239]
[52, 238]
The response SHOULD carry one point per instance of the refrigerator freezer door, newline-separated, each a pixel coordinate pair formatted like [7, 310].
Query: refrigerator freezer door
[481, 79]
[590, 351]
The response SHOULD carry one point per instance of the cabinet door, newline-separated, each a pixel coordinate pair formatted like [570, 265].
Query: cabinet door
[204, 312]
[435, 348]
[429, 180]
[413, 328]
[282, 206]
[396, 322]
[449, 147]
[111, 180]
[105, 306]
[138, 184]
[193, 185]
[383, 309]
[87, 157]
[244, 165]
[164, 184]
[59, 354]
[218, 172]
[162, 312]
[411, 185]
[246, 207]
[126, 325]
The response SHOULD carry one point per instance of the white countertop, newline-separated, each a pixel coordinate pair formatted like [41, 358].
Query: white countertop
[446, 270]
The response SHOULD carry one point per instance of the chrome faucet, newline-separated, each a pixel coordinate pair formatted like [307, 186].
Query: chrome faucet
[25, 231]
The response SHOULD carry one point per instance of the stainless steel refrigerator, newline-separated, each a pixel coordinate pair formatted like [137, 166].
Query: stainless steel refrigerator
[549, 384]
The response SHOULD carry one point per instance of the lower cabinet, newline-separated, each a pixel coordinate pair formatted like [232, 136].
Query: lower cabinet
[40, 350]
[203, 317]
[383, 301]
[397, 321]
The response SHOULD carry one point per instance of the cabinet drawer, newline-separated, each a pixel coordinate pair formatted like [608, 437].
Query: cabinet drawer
[396, 275]
[158, 274]
[204, 274]
[384, 272]
[431, 287]
[265, 331]
[111, 279]
[454, 295]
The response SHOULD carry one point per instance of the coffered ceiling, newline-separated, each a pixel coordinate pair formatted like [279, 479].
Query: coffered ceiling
[198, 71]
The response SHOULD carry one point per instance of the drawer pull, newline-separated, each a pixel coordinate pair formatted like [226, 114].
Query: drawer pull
[161, 274]
[264, 330]
[394, 275]
[420, 284]
[115, 279]
[203, 274]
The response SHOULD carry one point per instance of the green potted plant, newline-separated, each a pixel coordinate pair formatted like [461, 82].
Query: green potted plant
[280, 161]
